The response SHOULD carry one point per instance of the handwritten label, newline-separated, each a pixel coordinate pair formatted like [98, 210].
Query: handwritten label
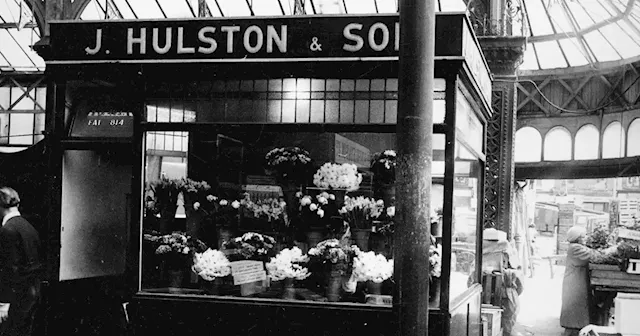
[629, 234]
[247, 271]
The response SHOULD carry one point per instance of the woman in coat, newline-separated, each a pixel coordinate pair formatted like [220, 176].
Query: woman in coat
[575, 285]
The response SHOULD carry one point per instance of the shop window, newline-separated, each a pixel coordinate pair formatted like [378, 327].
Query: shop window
[613, 141]
[557, 144]
[528, 145]
[208, 182]
[633, 138]
[587, 143]
[289, 100]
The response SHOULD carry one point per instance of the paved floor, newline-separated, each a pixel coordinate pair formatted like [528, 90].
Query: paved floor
[541, 300]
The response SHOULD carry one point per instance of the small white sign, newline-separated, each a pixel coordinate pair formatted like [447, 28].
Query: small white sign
[629, 234]
[247, 271]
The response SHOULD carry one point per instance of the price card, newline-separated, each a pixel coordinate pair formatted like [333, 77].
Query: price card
[629, 234]
[247, 271]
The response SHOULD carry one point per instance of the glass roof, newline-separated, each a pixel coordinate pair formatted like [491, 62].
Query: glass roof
[591, 34]
[18, 32]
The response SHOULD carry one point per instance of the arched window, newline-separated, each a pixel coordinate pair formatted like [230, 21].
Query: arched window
[613, 141]
[528, 146]
[633, 138]
[557, 144]
[587, 142]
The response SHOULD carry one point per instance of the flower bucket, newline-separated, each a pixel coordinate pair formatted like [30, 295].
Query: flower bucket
[288, 290]
[176, 277]
[333, 290]
[211, 287]
[374, 288]
[361, 238]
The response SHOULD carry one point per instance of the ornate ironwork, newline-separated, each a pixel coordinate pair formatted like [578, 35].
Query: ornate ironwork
[511, 22]
[494, 146]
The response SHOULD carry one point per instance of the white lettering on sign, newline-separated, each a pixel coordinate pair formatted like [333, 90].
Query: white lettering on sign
[246, 271]
[629, 234]
[167, 41]
[356, 42]
[140, 40]
[94, 50]
[254, 39]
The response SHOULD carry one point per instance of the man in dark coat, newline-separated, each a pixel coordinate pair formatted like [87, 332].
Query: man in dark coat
[20, 268]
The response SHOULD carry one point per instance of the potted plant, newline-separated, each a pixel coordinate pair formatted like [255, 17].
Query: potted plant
[334, 260]
[176, 250]
[288, 266]
[250, 246]
[383, 167]
[373, 269]
[165, 193]
[264, 215]
[340, 178]
[360, 212]
[211, 266]
[291, 168]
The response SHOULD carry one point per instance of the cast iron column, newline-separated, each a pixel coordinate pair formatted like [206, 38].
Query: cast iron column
[414, 134]
[504, 55]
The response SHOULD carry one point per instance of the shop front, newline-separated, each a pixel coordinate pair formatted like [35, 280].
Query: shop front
[238, 175]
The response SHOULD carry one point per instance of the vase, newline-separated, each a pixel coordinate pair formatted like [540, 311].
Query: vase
[374, 288]
[340, 195]
[361, 238]
[288, 290]
[334, 286]
[314, 236]
[211, 287]
[333, 289]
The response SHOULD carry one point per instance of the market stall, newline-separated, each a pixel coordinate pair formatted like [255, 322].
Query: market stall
[614, 274]
[260, 170]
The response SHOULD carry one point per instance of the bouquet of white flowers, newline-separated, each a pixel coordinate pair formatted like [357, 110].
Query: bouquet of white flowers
[435, 260]
[211, 264]
[369, 266]
[288, 265]
[337, 176]
[361, 211]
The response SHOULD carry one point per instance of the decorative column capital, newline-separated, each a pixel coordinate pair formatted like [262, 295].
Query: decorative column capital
[504, 54]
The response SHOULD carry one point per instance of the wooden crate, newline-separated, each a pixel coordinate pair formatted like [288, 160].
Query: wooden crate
[610, 277]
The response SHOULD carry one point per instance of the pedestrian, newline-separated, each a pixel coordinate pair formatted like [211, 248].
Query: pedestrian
[575, 285]
[20, 268]
[512, 287]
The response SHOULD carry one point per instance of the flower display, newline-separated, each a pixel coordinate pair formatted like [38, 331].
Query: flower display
[211, 264]
[369, 266]
[383, 166]
[332, 251]
[288, 264]
[188, 185]
[270, 209]
[360, 211]
[176, 243]
[435, 260]
[220, 210]
[251, 246]
[288, 163]
[337, 176]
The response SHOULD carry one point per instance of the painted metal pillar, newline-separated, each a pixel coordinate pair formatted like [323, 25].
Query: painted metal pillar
[414, 142]
[504, 55]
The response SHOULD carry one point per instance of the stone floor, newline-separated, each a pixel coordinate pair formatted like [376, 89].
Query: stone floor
[541, 300]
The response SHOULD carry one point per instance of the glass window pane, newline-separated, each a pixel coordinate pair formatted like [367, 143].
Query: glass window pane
[557, 145]
[528, 145]
[240, 196]
[587, 143]
[21, 128]
[633, 138]
[613, 141]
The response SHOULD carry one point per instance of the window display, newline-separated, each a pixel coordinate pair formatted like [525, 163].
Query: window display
[307, 214]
